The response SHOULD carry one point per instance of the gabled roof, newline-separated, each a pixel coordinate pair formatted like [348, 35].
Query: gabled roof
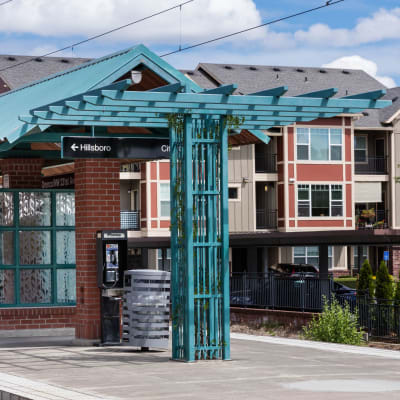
[33, 68]
[80, 79]
[253, 78]
[381, 118]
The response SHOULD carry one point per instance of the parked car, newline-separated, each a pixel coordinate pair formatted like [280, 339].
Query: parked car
[295, 270]
[344, 293]
[237, 298]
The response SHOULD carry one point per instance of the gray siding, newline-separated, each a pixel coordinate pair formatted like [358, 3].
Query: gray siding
[241, 165]
[396, 155]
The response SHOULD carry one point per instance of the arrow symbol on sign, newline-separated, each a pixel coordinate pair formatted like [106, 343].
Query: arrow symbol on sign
[74, 147]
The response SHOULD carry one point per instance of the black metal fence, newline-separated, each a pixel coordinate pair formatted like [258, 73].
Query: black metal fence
[379, 318]
[297, 292]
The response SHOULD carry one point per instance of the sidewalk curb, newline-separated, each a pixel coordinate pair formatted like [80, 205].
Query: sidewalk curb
[334, 347]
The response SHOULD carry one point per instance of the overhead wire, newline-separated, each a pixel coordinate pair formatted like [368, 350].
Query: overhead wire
[71, 46]
[5, 2]
[327, 4]
[180, 49]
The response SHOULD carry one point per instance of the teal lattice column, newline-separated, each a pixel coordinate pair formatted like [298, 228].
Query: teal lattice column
[199, 239]
[226, 353]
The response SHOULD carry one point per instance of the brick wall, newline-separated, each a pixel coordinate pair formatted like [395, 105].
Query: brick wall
[395, 261]
[37, 318]
[97, 207]
[255, 317]
[23, 172]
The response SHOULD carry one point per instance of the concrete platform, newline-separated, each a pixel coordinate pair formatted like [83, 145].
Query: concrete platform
[262, 368]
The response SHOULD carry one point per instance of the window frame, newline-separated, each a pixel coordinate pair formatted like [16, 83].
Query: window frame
[308, 144]
[332, 202]
[160, 200]
[358, 149]
[53, 266]
[238, 188]
[306, 256]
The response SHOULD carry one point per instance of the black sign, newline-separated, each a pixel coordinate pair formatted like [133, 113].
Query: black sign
[105, 147]
[65, 181]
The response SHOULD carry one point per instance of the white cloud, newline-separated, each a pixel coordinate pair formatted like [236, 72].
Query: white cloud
[382, 25]
[201, 19]
[357, 62]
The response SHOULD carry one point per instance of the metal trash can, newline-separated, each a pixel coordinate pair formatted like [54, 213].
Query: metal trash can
[146, 304]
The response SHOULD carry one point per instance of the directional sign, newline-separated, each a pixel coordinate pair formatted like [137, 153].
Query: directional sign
[106, 147]
[385, 256]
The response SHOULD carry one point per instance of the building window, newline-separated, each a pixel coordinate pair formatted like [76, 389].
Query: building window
[165, 209]
[164, 260]
[319, 144]
[234, 193]
[37, 248]
[310, 255]
[360, 148]
[320, 200]
[364, 255]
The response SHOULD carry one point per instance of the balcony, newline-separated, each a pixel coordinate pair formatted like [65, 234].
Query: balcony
[131, 167]
[371, 219]
[130, 220]
[265, 163]
[266, 219]
[371, 166]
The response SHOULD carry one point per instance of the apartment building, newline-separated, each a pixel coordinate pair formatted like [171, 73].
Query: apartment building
[330, 175]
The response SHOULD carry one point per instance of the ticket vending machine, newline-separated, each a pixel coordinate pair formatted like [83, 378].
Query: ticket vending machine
[112, 254]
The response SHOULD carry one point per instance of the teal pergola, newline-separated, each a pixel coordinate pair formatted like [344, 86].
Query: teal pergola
[198, 127]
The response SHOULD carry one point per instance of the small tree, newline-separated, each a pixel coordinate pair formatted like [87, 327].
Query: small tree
[397, 293]
[384, 286]
[365, 284]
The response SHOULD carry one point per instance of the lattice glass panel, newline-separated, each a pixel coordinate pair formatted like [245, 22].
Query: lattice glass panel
[7, 286]
[65, 209]
[35, 286]
[6, 209]
[66, 285]
[65, 244]
[34, 247]
[34, 209]
[6, 248]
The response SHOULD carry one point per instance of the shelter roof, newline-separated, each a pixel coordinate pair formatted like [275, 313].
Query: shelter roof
[79, 79]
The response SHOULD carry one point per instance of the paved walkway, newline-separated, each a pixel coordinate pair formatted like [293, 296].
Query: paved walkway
[262, 368]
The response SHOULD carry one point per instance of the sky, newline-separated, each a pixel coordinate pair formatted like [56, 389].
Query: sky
[363, 34]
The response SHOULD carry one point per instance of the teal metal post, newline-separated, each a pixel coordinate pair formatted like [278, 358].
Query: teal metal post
[226, 349]
[174, 245]
[189, 330]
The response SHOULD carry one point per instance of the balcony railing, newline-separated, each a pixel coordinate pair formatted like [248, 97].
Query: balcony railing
[265, 163]
[131, 167]
[266, 219]
[378, 221]
[371, 166]
[130, 220]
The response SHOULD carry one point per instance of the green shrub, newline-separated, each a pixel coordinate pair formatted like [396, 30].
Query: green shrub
[365, 282]
[384, 285]
[336, 325]
[397, 293]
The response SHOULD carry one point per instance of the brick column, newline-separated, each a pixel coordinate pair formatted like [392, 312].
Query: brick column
[395, 255]
[97, 207]
[24, 173]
